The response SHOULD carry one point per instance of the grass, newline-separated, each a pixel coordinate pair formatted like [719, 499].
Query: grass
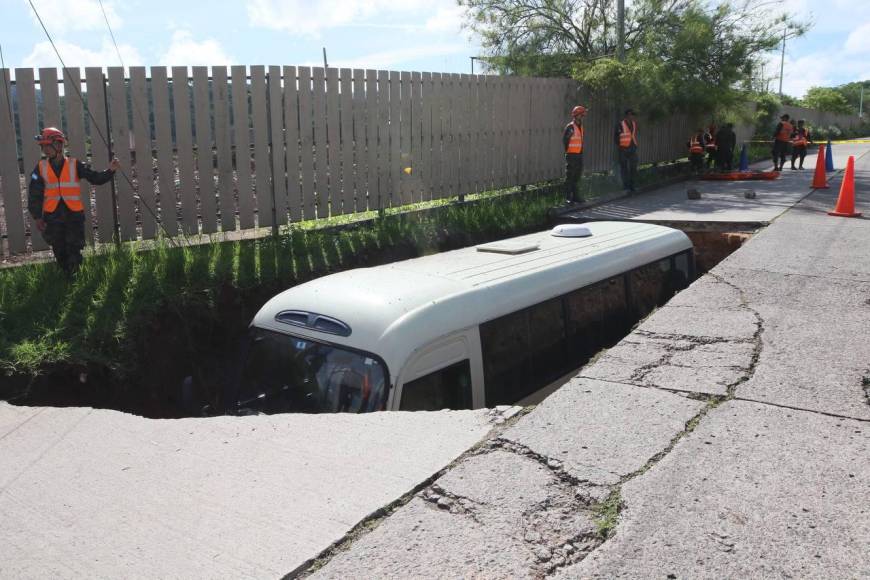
[607, 514]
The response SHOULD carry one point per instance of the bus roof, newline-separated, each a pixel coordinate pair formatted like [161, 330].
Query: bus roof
[396, 308]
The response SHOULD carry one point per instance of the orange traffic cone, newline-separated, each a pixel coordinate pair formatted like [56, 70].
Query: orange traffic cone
[819, 178]
[846, 201]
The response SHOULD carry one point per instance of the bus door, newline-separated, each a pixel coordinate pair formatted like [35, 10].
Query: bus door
[446, 374]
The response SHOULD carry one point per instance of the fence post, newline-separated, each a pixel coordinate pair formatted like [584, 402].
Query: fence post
[116, 228]
[271, 145]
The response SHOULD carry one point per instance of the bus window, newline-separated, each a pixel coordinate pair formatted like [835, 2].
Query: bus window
[284, 373]
[448, 388]
[596, 315]
[650, 286]
[547, 341]
[506, 364]
[682, 271]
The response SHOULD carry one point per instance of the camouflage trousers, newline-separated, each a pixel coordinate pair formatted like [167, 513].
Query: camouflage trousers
[65, 233]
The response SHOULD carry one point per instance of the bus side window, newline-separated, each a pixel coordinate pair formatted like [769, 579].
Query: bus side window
[448, 388]
[649, 286]
[682, 270]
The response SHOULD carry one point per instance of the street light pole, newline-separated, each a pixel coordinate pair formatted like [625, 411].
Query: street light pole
[782, 61]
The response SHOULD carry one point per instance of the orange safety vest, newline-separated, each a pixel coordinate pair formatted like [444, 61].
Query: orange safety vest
[575, 145]
[785, 133]
[628, 136]
[65, 186]
[695, 146]
[711, 144]
[800, 140]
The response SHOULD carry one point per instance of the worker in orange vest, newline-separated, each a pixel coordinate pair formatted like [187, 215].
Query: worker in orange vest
[55, 198]
[710, 145]
[781, 142]
[572, 141]
[626, 142]
[696, 150]
[800, 138]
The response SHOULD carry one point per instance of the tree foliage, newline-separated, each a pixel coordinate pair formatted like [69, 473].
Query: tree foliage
[852, 93]
[687, 55]
[827, 99]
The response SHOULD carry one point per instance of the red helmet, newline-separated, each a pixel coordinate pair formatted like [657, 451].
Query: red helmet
[578, 110]
[50, 135]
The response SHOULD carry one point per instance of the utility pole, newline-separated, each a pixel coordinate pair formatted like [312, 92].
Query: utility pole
[782, 61]
[620, 34]
[325, 64]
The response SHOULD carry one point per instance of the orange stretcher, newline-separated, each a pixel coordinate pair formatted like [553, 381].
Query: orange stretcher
[740, 175]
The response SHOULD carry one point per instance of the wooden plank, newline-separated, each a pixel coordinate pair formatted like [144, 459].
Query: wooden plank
[75, 137]
[29, 125]
[13, 207]
[120, 139]
[142, 143]
[448, 162]
[372, 125]
[416, 134]
[50, 98]
[291, 144]
[306, 138]
[279, 169]
[395, 188]
[321, 159]
[166, 192]
[184, 150]
[503, 132]
[346, 100]
[242, 138]
[223, 144]
[333, 143]
[434, 171]
[259, 106]
[472, 130]
[360, 157]
[98, 134]
[425, 158]
[372, 188]
[405, 146]
[204, 157]
[384, 193]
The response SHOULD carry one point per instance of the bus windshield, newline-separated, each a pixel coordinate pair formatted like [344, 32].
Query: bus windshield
[285, 373]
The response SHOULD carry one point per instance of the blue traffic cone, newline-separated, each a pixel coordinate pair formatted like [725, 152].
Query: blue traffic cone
[744, 159]
[829, 158]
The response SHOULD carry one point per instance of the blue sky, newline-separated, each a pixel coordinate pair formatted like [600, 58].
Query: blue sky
[420, 35]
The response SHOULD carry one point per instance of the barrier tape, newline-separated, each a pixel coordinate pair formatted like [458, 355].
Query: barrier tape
[837, 142]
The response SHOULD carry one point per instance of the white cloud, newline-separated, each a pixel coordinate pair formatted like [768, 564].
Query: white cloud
[61, 16]
[859, 40]
[184, 50]
[447, 19]
[309, 18]
[389, 59]
[73, 55]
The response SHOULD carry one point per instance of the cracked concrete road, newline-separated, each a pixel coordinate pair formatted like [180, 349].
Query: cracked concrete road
[731, 427]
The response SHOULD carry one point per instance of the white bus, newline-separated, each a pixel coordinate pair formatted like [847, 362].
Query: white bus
[493, 324]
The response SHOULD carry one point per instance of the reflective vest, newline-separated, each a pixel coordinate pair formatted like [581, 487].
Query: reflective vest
[711, 143]
[65, 186]
[575, 145]
[695, 146]
[628, 135]
[785, 133]
[800, 138]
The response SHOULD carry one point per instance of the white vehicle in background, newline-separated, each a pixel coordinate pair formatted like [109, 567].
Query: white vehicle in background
[498, 323]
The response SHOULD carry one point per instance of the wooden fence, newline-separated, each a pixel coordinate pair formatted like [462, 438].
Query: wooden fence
[242, 147]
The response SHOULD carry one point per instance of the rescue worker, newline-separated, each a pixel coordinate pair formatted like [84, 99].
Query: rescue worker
[55, 198]
[726, 142]
[800, 138]
[626, 141]
[572, 142]
[710, 145]
[781, 142]
[696, 151]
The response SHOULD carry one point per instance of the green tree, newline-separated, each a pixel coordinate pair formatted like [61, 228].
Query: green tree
[827, 99]
[684, 55]
[852, 93]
